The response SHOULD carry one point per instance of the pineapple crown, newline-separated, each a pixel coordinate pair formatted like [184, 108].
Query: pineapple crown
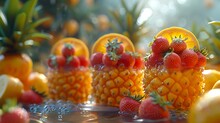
[157, 99]
[17, 26]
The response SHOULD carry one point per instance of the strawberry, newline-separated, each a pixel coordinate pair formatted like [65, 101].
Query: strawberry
[73, 62]
[172, 61]
[13, 113]
[30, 97]
[139, 62]
[178, 45]
[126, 59]
[154, 108]
[189, 58]
[115, 46]
[83, 61]
[130, 105]
[68, 50]
[96, 59]
[51, 62]
[154, 60]
[160, 45]
[201, 60]
[110, 59]
[60, 61]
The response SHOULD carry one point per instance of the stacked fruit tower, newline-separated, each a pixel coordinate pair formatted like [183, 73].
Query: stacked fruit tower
[174, 67]
[69, 75]
[117, 70]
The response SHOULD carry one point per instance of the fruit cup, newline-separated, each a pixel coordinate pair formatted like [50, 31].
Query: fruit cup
[117, 70]
[69, 77]
[174, 68]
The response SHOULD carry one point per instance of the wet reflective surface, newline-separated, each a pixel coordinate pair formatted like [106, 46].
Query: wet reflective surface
[66, 112]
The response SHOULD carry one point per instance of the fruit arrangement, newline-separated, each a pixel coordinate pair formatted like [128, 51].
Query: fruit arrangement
[152, 108]
[68, 71]
[174, 67]
[117, 70]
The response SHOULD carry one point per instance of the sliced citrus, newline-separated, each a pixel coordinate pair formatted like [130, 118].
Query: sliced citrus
[172, 32]
[99, 45]
[10, 87]
[80, 47]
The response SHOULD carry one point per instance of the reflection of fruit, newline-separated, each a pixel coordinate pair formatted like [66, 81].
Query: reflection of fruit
[211, 76]
[179, 83]
[115, 76]
[206, 109]
[12, 114]
[70, 27]
[99, 45]
[10, 87]
[79, 46]
[39, 82]
[178, 32]
[154, 108]
[72, 80]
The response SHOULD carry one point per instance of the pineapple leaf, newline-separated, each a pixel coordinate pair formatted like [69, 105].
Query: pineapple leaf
[117, 17]
[216, 23]
[37, 35]
[28, 8]
[20, 21]
[134, 9]
[129, 22]
[218, 31]
[30, 43]
[36, 23]
[124, 5]
[11, 7]
[3, 21]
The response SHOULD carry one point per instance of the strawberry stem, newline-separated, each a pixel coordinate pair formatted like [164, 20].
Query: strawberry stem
[157, 99]
[10, 103]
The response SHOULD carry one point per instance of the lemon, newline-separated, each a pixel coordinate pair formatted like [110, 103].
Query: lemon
[206, 109]
[10, 87]
[39, 82]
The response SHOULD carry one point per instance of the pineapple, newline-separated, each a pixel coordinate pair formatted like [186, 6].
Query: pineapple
[18, 33]
[69, 76]
[173, 69]
[116, 72]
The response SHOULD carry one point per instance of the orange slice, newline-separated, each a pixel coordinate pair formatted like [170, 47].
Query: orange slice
[169, 33]
[99, 45]
[80, 47]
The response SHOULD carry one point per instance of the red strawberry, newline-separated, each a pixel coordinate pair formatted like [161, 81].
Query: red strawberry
[61, 61]
[178, 45]
[73, 62]
[83, 61]
[12, 113]
[139, 62]
[51, 62]
[15, 115]
[68, 50]
[126, 59]
[154, 108]
[189, 58]
[160, 45]
[115, 46]
[30, 97]
[130, 105]
[154, 60]
[96, 59]
[109, 60]
[172, 61]
[201, 60]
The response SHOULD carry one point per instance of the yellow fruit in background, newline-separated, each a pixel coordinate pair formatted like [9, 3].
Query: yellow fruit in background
[38, 81]
[206, 109]
[70, 27]
[211, 77]
[10, 87]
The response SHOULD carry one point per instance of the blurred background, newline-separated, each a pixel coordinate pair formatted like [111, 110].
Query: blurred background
[139, 20]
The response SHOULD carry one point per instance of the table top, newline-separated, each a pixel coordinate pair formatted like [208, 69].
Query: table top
[94, 114]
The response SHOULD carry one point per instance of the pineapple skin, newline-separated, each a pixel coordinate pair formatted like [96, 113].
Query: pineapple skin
[72, 85]
[111, 84]
[181, 88]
